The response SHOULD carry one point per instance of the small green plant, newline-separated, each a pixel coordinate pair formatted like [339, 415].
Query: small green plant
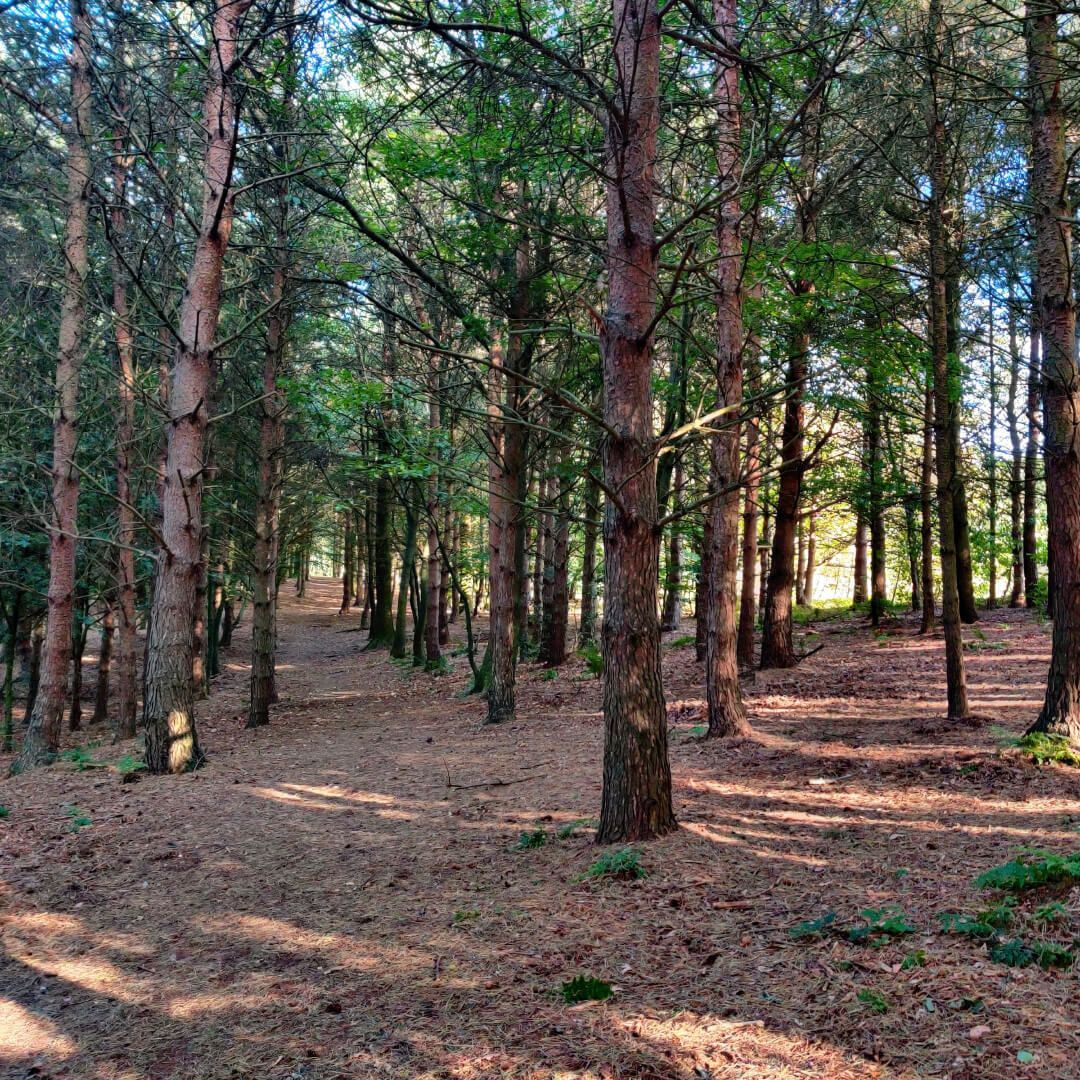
[549, 674]
[4, 812]
[1046, 749]
[593, 658]
[622, 865]
[129, 765]
[79, 757]
[956, 922]
[697, 730]
[876, 1002]
[683, 641]
[999, 915]
[564, 832]
[1012, 953]
[465, 918]
[585, 988]
[79, 818]
[880, 925]
[1053, 912]
[535, 838]
[813, 928]
[914, 959]
[1030, 870]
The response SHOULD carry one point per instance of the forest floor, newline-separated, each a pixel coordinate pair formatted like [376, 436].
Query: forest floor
[342, 894]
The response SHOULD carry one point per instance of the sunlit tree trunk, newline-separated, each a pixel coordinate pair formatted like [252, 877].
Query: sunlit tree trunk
[636, 801]
[945, 391]
[1031, 452]
[672, 615]
[860, 591]
[587, 624]
[926, 506]
[1053, 212]
[752, 481]
[43, 733]
[169, 713]
[104, 666]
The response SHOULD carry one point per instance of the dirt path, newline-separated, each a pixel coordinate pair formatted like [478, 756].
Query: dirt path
[318, 902]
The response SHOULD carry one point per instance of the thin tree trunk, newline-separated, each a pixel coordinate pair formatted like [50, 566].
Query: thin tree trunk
[78, 648]
[945, 389]
[587, 623]
[752, 471]
[860, 591]
[127, 637]
[14, 616]
[43, 733]
[408, 558]
[672, 615]
[169, 712]
[104, 667]
[1031, 452]
[991, 600]
[433, 602]
[875, 459]
[726, 713]
[926, 506]
[1016, 468]
[811, 558]
[1053, 212]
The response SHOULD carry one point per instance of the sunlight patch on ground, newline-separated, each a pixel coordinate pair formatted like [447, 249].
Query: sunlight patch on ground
[22, 1034]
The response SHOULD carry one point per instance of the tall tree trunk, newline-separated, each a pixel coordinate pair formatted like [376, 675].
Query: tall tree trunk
[752, 481]
[1031, 452]
[398, 648]
[701, 590]
[553, 647]
[104, 667]
[11, 648]
[1016, 467]
[346, 565]
[587, 623]
[860, 591]
[965, 572]
[991, 599]
[78, 648]
[926, 505]
[726, 713]
[636, 802]
[433, 601]
[127, 636]
[672, 615]
[169, 710]
[946, 388]
[800, 561]
[1053, 211]
[875, 389]
[777, 647]
[811, 558]
[43, 734]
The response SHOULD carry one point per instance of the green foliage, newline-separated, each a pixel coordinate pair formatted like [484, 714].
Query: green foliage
[564, 832]
[880, 925]
[549, 674]
[914, 959]
[1012, 954]
[999, 915]
[4, 812]
[1046, 749]
[585, 988]
[464, 918]
[79, 757]
[682, 641]
[623, 864]
[536, 838]
[79, 818]
[1030, 871]
[813, 928]
[956, 922]
[129, 765]
[593, 658]
[1053, 912]
[875, 1001]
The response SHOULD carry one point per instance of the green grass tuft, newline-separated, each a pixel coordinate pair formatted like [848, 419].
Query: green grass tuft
[622, 865]
[585, 988]
[536, 838]
[1031, 870]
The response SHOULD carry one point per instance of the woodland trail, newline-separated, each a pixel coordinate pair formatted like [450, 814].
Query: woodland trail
[342, 895]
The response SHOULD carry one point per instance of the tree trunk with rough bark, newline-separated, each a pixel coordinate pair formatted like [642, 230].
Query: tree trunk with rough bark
[636, 802]
[1031, 452]
[104, 667]
[42, 737]
[1016, 466]
[172, 743]
[926, 506]
[587, 622]
[946, 388]
[726, 713]
[1053, 212]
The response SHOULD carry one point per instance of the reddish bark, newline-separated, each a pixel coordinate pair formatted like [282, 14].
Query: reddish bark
[43, 733]
[727, 716]
[1053, 211]
[636, 802]
[169, 711]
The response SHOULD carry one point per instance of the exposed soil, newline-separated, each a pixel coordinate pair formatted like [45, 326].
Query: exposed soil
[342, 895]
